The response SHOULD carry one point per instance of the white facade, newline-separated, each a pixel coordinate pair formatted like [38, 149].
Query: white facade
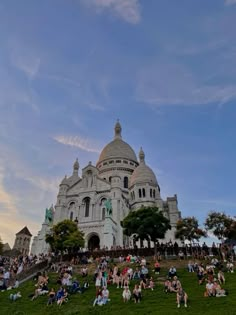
[117, 176]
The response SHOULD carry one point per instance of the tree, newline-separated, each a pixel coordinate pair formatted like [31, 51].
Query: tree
[188, 229]
[65, 236]
[221, 225]
[1, 246]
[147, 223]
[232, 230]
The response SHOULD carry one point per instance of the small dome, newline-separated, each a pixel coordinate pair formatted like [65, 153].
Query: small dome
[64, 181]
[143, 173]
[76, 165]
[117, 148]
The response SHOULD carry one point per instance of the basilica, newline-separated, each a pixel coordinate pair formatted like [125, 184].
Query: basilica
[104, 194]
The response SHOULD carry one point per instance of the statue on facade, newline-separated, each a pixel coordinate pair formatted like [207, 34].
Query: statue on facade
[108, 206]
[49, 216]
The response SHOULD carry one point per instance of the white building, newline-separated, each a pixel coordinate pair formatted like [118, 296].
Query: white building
[118, 177]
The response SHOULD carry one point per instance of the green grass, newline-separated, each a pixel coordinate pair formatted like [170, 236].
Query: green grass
[154, 302]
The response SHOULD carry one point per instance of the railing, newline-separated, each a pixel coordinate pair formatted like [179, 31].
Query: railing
[30, 272]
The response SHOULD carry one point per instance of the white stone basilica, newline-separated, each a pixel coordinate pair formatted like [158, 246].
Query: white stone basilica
[117, 178]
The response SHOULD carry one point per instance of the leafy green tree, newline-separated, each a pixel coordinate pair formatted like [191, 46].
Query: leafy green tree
[221, 225]
[188, 229]
[232, 230]
[147, 223]
[1, 246]
[65, 236]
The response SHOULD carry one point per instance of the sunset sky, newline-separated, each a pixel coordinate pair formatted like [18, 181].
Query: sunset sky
[70, 68]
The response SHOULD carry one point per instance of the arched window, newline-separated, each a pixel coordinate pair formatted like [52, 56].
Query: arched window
[140, 193]
[133, 194]
[144, 193]
[71, 216]
[103, 213]
[87, 205]
[126, 182]
[154, 193]
[151, 193]
[110, 179]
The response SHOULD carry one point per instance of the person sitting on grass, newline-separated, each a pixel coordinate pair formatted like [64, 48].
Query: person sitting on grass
[172, 272]
[137, 293]
[151, 284]
[181, 297]
[157, 267]
[52, 297]
[230, 266]
[219, 292]
[175, 284]
[63, 297]
[98, 298]
[84, 271]
[126, 294]
[105, 295]
[221, 277]
[200, 274]
[136, 274]
[75, 287]
[209, 289]
[167, 286]
[41, 290]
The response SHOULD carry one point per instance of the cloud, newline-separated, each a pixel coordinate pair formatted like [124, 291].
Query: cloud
[26, 62]
[6, 200]
[79, 142]
[230, 2]
[173, 84]
[22, 194]
[128, 10]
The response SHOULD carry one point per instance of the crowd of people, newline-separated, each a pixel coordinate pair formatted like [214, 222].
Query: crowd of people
[132, 275]
[12, 267]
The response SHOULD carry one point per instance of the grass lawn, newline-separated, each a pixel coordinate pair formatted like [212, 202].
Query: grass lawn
[153, 302]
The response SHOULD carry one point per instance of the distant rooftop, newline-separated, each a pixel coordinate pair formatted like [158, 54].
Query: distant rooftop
[25, 231]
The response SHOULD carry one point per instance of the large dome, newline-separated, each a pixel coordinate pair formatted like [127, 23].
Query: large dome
[143, 173]
[117, 148]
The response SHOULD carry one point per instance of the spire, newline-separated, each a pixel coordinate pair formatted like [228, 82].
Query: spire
[76, 167]
[118, 130]
[141, 156]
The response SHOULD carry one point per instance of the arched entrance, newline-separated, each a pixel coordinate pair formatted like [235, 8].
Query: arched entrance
[93, 242]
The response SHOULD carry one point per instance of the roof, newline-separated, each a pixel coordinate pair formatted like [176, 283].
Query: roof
[143, 174]
[25, 231]
[117, 148]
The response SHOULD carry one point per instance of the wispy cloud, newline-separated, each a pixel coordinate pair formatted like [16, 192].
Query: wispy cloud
[128, 10]
[174, 84]
[6, 199]
[79, 142]
[26, 62]
[230, 2]
[63, 79]
[18, 180]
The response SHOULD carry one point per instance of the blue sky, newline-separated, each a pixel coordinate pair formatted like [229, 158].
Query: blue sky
[70, 68]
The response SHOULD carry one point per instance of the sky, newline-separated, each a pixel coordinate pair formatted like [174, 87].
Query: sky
[70, 68]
